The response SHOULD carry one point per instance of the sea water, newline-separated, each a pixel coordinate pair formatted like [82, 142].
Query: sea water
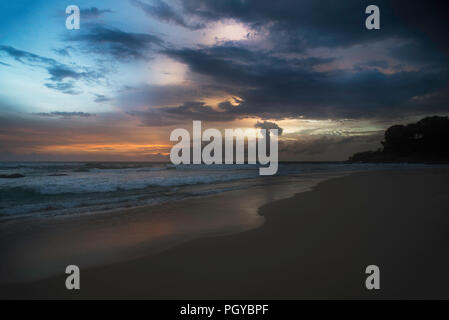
[58, 188]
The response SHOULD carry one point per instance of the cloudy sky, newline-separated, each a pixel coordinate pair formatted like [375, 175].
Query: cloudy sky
[137, 69]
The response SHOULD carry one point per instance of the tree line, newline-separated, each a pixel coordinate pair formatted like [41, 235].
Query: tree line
[424, 141]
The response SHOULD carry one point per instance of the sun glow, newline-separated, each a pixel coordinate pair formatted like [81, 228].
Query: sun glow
[227, 31]
[130, 149]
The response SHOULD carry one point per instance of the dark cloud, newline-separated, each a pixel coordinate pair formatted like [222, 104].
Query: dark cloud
[61, 72]
[274, 88]
[373, 64]
[283, 79]
[121, 45]
[93, 12]
[292, 25]
[236, 65]
[101, 98]
[409, 76]
[267, 125]
[26, 57]
[162, 11]
[420, 53]
[295, 25]
[189, 111]
[65, 87]
[63, 51]
[62, 76]
[164, 95]
[64, 114]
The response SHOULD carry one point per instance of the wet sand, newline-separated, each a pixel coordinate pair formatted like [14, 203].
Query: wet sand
[33, 248]
[316, 244]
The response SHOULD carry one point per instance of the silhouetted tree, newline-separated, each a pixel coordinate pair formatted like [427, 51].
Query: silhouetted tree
[428, 140]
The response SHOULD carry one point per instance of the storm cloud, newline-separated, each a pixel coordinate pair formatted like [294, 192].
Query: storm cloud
[310, 67]
[62, 76]
[275, 87]
[162, 11]
[286, 75]
[121, 45]
[93, 12]
[64, 114]
[189, 111]
[267, 125]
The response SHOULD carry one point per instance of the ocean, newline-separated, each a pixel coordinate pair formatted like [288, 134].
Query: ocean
[61, 188]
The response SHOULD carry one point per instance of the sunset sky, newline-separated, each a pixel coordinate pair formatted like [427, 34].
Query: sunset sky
[135, 70]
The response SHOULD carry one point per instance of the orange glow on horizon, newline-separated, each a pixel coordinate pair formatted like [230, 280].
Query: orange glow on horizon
[130, 149]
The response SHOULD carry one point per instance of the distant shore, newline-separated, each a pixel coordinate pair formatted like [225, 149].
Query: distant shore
[316, 244]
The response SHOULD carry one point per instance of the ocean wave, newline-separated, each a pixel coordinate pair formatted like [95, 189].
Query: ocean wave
[49, 188]
[107, 182]
[18, 193]
[11, 176]
[123, 165]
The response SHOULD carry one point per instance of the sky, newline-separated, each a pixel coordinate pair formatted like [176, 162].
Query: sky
[137, 69]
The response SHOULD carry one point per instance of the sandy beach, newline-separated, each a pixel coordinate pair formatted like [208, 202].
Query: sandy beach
[315, 244]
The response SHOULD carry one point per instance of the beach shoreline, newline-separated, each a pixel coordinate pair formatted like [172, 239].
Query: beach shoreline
[49, 243]
[315, 244]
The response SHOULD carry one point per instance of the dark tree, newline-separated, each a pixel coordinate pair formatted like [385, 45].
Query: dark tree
[426, 140]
